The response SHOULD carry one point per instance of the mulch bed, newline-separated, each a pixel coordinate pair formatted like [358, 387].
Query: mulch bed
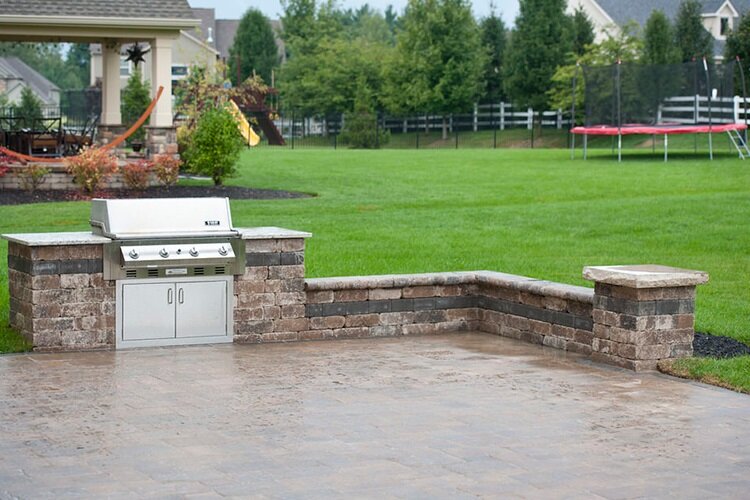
[715, 346]
[20, 196]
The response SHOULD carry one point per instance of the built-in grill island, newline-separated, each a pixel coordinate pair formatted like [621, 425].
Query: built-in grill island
[153, 272]
[173, 262]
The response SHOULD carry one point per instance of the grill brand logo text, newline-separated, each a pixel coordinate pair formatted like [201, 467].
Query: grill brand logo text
[212, 223]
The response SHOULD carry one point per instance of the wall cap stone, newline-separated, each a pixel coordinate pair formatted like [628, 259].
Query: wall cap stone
[535, 286]
[644, 276]
[491, 278]
[52, 239]
[388, 281]
[270, 232]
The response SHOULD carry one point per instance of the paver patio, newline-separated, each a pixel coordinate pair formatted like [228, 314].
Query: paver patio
[450, 416]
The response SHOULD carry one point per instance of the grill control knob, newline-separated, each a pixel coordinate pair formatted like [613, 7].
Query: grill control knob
[222, 250]
[133, 254]
[164, 253]
[194, 252]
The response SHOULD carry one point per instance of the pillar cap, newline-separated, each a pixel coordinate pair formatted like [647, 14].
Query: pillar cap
[644, 276]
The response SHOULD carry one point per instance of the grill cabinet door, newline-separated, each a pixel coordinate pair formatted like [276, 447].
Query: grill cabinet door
[201, 309]
[148, 311]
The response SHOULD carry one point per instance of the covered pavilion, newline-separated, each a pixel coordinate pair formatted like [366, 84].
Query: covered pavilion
[110, 23]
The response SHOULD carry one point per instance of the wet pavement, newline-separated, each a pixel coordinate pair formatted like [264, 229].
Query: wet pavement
[452, 416]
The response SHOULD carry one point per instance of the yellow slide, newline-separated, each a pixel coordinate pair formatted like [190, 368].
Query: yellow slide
[246, 130]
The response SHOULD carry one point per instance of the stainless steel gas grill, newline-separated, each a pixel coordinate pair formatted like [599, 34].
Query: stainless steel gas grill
[173, 261]
[153, 238]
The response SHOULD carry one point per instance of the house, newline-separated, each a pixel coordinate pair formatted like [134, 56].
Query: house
[719, 16]
[220, 32]
[16, 75]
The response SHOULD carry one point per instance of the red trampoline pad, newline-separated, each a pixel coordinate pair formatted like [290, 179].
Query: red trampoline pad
[664, 129]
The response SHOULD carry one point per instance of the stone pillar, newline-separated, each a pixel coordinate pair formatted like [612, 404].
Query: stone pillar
[59, 299]
[642, 314]
[161, 75]
[111, 84]
[161, 140]
[270, 297]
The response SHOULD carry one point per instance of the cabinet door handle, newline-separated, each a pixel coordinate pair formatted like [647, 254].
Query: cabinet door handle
[169, 296]
[181, 295]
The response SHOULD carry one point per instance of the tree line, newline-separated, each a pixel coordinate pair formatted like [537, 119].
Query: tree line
[436, 57]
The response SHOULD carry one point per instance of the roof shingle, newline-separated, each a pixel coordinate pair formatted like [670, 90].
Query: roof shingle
[148, 9]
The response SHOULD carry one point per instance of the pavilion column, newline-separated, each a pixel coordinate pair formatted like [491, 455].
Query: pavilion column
[111, 83]
[161, 74]
[162, 137]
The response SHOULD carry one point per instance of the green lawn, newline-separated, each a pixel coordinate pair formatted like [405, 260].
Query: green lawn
[529, 212]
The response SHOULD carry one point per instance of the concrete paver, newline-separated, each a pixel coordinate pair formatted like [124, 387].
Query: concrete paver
[452, 416]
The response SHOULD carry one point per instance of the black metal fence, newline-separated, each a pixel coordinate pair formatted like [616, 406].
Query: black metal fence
[497, 125]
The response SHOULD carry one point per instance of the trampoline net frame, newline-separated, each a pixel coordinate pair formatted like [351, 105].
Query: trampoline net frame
[626, 95]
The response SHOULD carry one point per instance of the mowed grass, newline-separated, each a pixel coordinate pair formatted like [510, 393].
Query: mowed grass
[530, 212]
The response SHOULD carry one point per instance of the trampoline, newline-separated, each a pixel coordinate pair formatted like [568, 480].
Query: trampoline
[697, 97]
[666, 129]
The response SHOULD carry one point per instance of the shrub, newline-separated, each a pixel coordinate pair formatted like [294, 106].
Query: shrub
[32, 176]
[215, 145]
[135, 100]
[91, 167]
[166, 168]
[361, 125]
[28, 110]
[136, 173]
[5, 161]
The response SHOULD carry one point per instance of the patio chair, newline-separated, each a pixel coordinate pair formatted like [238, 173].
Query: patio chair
[45, 139]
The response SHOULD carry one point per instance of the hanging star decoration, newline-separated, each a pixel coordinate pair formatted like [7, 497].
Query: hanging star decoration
[136, 53]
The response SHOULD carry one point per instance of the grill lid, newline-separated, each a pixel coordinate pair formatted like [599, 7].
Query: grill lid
[162, 218]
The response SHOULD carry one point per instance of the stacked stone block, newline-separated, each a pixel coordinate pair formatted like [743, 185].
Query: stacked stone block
[59, 298]
[378, 306]
[161, 140]
[58, 178]
[643, 314]
[270, 296]
[536, 311]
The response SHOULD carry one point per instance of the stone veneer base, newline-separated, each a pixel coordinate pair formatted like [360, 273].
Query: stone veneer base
[60, 301]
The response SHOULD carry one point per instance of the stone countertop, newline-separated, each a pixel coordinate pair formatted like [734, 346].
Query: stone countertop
[51, 239]
[88, 238]
[265, 233]
[644, 276]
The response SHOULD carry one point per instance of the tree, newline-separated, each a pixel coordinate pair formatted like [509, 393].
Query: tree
[360, 125]
[658, 46]
[439, 60]
[583, 31]
[325, 81]
[738, 41]
[391, 18]
[538, 45]
[28, 109]
[625, 47]
[135, 100]
[493, 38]
[78, 63]
[691, 38]
[254, 48]
[306, 24]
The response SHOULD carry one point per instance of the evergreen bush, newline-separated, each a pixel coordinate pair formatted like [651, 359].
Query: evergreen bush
[136, 97]
[215, 145]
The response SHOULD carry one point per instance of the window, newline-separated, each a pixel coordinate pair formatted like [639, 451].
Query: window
[179, 70]
[124, 66]
[724, 26]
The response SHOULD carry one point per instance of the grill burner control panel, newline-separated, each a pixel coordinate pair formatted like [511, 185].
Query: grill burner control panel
[195, 252]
